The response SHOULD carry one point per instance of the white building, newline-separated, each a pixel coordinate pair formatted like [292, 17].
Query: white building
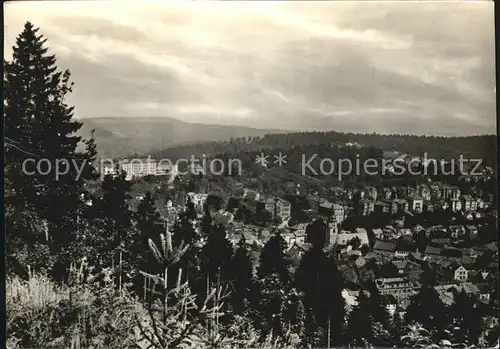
[139, 167]
[461, 274]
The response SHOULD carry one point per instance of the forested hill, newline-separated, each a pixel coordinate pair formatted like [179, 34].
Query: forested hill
[471, 147]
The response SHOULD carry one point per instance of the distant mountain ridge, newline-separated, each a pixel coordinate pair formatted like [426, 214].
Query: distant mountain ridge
[126, 136]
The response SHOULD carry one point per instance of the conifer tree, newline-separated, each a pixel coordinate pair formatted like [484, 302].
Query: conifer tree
[206, 225]
[427, 309]
[39, 124]
[147, 223]
[319, 279]
[217, 254]
[467, 317]
[242, 278]
[359, 328]
[273, 259]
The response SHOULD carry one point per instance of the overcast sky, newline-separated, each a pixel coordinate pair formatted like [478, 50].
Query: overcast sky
[354, 66]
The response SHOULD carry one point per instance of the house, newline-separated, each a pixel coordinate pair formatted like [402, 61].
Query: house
[365, 207]
[484, 293]
[461, 274]
[401, 204]
[344, 237]
[297, 250]
[197, 199]
[404, 249]
[456, 231]
[400, 265]
[448, 192]
[447, 292]
[400, 288]
[391, 304]
[278, 208]
[386, 248]
[424, 192]
[468, 203]
[416, 204]
[382, 207]
[371, 192]
[455, 205]
[433, 252]
[300, 228]
[472, 231]
[333, 210]
[387, 193]
[378, 233]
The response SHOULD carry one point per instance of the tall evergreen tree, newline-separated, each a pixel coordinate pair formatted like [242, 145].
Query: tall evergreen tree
[185, 234]
[112, 220]
[206, 225]
[317, 233]
[39, 124]
[361, 321]
[427, 309]
[467, 317]
[147, 223]
[242, 278]
[273, 259]
[217, 254]
[319, 279]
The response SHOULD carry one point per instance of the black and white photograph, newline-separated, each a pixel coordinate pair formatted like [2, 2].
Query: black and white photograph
[250, 174]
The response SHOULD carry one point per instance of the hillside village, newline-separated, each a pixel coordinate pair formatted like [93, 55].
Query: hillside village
[396, 248]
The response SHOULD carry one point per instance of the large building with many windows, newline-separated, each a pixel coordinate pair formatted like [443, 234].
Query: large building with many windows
[400, 288]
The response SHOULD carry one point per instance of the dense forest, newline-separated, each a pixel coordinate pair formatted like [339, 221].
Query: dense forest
[473, 147]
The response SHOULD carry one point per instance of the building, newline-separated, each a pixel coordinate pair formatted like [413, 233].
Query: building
[461, 274]
[365, 207]
[402, 205]
[382, 207]
[332, 210]
[344, 237]
[404, 249]
[371, 192]
[386, 248]
[424, 192]
[447, 192]
[455, 205]
[447, 292]
[416, 204]
[197, 199]
[468, 203]
[456, 231]
[139, 167]
[472, 230]
[400, 288]
[278, 207]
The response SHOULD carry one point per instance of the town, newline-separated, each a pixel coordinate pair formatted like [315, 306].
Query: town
[250, 175]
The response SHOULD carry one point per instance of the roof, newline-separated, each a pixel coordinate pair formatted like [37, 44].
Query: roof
[400, 264]
[451, 252]
[406, 247]
[388, 246]
[361, 231]
[433, 250]
[391, 280]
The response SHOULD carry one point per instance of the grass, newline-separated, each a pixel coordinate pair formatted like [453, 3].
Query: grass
[36, 293]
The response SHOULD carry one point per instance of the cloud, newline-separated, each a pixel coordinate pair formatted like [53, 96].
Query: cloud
[400, 66]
